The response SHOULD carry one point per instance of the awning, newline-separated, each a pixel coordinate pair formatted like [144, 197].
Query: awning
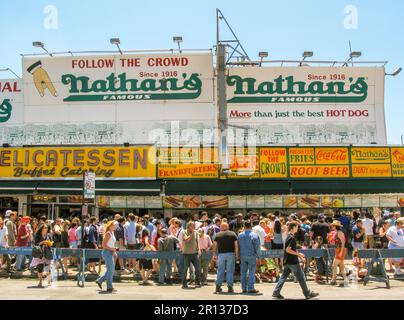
[206, 187]
[226, 187]
[74, 187]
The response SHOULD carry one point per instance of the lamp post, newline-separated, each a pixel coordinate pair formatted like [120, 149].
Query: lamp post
[262, 55]
[178, 40]
[395, 72]
[306, 54]
[352, 55]
[116, 42]
[40, 44]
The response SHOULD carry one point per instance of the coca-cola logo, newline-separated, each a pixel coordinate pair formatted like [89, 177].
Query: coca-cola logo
[332, 155]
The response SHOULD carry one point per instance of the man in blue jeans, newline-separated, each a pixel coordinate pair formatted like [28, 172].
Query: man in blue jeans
[249, 250]
[291, 264]
[225, 248]
[166, 243]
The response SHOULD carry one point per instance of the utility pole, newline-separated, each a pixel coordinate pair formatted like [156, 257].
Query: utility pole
[222, 104]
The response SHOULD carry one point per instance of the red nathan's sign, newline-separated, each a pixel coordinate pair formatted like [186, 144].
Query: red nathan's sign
[9, 86]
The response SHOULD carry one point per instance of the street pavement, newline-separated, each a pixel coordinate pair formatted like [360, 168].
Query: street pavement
[22, 289]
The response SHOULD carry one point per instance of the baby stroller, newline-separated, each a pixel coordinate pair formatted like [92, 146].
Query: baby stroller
[268, 270]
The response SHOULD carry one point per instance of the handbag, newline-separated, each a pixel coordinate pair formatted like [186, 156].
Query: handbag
[47, 253]
[37, 252]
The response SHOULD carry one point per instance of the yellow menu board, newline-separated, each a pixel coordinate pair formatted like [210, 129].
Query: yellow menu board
[273, 163]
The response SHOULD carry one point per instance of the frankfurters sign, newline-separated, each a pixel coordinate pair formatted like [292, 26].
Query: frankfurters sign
[118, 78]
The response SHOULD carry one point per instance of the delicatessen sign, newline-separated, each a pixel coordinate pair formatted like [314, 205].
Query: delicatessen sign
[67, 162]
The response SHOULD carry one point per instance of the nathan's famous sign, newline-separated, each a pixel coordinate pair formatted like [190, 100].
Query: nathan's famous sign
[71, 162]
[11, 101]
[301, 85]
[147, 78]
[294, 104]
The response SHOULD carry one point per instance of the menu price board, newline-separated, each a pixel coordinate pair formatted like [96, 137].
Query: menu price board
[237, 202]
[135, 202]
[153, 202]
[388, 200]
[370, 201]
[274, 201]
[117, 202]
[255, 201]
[353, 201]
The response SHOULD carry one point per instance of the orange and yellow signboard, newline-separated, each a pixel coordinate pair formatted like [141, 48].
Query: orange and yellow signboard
[243, 163]
[397, 162]
[72, 162]
[184, 171]
[273, 163]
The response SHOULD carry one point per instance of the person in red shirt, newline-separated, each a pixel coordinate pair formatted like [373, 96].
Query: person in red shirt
[22, 240]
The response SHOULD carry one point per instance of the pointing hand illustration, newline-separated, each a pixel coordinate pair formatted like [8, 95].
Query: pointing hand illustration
[41, 79]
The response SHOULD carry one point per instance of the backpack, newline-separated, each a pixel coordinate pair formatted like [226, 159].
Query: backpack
[300, 234]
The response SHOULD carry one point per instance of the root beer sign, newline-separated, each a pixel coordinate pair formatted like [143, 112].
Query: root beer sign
[71, 162]
[319, 162]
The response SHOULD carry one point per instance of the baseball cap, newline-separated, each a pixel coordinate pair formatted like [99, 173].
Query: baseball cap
[8, 212]
[321, 216]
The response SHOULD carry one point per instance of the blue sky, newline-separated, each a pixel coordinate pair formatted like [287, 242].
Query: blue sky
[283, 28]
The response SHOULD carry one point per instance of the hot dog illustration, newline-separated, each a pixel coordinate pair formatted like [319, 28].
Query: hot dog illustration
[41, 78]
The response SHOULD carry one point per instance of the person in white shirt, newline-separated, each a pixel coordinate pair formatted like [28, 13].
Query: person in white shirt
[395, 235]
[259, 229]
[368, 225]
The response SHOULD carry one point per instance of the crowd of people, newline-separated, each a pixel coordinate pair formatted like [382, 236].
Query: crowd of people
[236, 241]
